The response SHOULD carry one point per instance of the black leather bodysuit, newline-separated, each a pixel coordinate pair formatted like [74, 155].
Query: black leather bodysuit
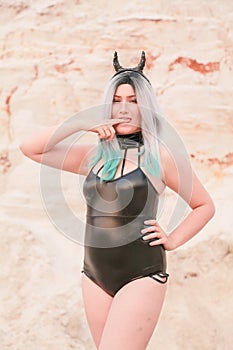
[115, 253]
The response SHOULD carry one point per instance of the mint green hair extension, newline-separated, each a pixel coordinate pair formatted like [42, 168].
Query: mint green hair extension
[152, 164]
[111, 160]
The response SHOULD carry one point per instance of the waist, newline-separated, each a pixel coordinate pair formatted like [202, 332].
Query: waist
[108, 220]
[110, 231]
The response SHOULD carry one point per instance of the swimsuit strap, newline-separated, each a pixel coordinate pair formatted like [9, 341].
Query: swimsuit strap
[123, 163]
[124, 159]
[139, 156]
[100, 169]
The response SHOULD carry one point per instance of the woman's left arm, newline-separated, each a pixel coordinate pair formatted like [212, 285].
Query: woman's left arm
[198, 199]
[202, 211]
[193, 192]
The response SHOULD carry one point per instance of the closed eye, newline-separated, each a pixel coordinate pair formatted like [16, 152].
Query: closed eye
[130, 101]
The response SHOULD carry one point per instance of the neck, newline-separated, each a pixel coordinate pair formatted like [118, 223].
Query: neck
[133, 140]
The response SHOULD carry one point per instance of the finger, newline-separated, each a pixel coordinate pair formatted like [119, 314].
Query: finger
[118, 120]
[101, 133]
[150, 222]
[112, 133]
[108, 123]
[158, 242]
[152, 236]
[148, 237]
[107, 133]
[150, 229]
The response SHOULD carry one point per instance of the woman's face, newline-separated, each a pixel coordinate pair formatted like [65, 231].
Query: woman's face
[125, 106]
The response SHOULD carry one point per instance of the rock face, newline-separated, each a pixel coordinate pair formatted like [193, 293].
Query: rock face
[56, 57]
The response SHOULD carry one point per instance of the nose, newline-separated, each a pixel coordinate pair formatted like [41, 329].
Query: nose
[123, 108]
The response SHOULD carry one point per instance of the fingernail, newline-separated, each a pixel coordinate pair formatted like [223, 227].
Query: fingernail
[144, 238]
[143, 231]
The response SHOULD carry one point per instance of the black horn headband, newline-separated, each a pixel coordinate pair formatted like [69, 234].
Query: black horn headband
[138, 69]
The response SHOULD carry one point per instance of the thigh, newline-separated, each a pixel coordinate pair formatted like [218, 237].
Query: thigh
[133, 315]
[97, 304]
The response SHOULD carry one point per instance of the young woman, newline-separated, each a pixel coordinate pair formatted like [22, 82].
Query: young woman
[124, 274]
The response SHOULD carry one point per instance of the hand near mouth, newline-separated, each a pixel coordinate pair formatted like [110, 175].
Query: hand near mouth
[106, 129]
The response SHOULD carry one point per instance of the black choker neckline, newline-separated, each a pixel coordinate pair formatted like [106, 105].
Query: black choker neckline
[134, 140]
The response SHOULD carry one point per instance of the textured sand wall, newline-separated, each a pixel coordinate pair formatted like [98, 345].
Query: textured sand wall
[55, 58]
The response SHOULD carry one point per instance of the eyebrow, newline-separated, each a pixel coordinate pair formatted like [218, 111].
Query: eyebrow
[126, 96]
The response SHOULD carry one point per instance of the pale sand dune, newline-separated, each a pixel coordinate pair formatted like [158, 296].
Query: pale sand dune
[55, 60]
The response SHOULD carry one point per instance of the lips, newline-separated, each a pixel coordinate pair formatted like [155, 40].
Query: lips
[128, 119]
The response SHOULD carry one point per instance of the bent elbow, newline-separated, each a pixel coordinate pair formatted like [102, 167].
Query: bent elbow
[24, 149]
[212, 209]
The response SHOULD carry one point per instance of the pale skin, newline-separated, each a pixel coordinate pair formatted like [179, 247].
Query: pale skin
[127, 320]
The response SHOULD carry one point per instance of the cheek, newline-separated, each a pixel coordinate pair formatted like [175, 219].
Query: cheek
[114, 110]
[135, 110]
[136, 114]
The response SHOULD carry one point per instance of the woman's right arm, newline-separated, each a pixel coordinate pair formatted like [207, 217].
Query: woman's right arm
[46, 147]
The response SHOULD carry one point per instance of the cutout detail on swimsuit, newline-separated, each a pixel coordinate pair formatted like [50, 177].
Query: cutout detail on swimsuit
[160, 277]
